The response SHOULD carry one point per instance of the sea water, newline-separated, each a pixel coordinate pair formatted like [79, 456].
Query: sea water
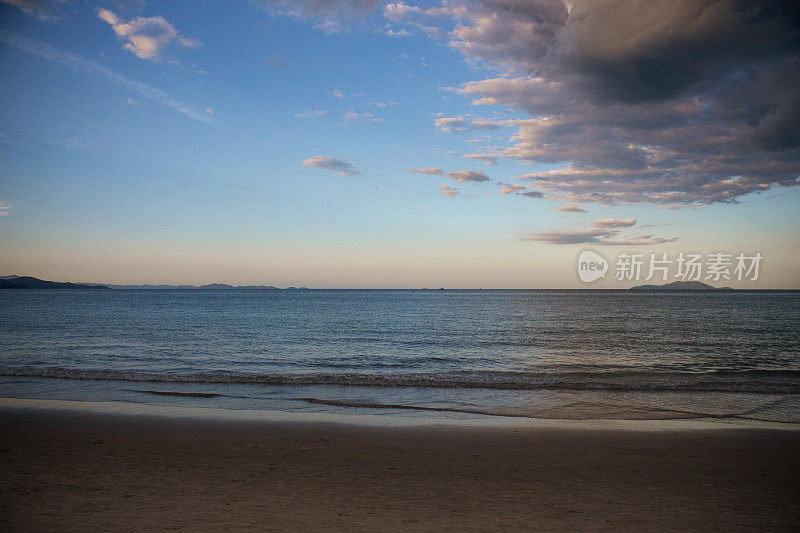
[453, 353]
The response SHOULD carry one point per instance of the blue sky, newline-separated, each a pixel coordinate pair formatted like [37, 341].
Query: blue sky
[271, 142]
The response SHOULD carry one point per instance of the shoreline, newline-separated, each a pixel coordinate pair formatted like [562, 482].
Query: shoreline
[128, 469]
[474, 420]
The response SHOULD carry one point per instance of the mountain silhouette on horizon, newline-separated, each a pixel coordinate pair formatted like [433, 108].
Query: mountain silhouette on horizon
[681, 286]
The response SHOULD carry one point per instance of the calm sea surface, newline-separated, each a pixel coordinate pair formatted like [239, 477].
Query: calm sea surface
[550, 354]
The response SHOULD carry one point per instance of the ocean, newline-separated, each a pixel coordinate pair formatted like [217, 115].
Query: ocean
[410, 353]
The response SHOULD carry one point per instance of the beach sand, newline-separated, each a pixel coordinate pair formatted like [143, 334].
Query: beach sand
[67, 470]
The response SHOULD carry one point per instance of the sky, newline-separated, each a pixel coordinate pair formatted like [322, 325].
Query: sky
[363, 143]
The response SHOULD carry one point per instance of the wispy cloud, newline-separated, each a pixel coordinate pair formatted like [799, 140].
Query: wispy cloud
[331, 164]
[81, 64]
[429, 170]
[5, 139]
[312, 114]
[449, 191]
[40, 9]
[146, 37]
[518, 190]
[612, 222]
[451, 123]
[330, 16]
[603, 232]
[4, 210]
[571, 208]
[352, 116]
[463, 176]
[461, 123]
[489, 159]
[510, 189]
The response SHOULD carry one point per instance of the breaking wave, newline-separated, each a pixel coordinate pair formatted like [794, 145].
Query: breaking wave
[780, 381]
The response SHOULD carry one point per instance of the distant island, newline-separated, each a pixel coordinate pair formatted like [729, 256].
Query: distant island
[680, 286]
[28, 282]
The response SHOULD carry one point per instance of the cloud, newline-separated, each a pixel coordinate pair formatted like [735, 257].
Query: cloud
[40, 9]
[532, 194]
[429, 170]
[614, 223]
[5, 139]
[332, 164]
[451, 123]
[55, 55]
[463, 176]
[597, 236]
[509, 189]
[486, 158]
[337, 93]
[4, 210]
[460, 124]
[330, 16]
[146, 37]
[571, 208]
[312, 114]
[130, 5]
[449, 191]
[400, 12]
[671, 102]
[518, 190]
[362, 117]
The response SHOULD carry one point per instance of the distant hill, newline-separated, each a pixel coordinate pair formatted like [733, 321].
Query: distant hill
[680, 286]
[28, 282]
[218, 286]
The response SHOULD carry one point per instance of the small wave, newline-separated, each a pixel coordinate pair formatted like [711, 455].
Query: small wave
[591, 410]
[176, 393]
[779, 381]
[374, 405]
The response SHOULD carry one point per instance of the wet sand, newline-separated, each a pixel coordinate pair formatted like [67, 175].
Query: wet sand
[68, 470]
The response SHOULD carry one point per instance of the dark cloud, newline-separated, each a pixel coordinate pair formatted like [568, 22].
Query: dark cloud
[673, 102]
[532, 194]
[657, 49]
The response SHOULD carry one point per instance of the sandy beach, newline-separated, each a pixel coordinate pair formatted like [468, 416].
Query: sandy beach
[70, 470]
